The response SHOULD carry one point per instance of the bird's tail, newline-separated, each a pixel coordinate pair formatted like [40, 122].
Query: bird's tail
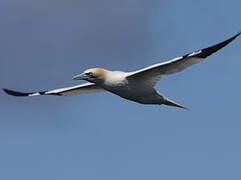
[169, 102]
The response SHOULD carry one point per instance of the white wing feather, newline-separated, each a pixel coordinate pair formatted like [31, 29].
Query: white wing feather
[68, 91]
[150, 75]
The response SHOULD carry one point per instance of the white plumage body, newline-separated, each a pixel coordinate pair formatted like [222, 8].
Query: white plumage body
[117, 83]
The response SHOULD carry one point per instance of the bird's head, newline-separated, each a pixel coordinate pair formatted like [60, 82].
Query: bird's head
[94, 75]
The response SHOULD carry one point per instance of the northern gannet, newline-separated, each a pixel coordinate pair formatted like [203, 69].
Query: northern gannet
[136, 86]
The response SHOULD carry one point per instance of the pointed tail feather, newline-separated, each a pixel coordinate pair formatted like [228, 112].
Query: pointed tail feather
[169, 102]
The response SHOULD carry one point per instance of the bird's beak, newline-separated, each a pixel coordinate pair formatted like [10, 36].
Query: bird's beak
[79, 77]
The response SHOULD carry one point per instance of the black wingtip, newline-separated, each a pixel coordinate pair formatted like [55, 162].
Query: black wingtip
[14, 93]
[210, 50]
[236, 35]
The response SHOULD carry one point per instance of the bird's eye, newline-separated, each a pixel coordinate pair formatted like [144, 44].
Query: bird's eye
[90, 74]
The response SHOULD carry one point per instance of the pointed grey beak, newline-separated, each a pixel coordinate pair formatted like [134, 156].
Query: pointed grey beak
[79, 77]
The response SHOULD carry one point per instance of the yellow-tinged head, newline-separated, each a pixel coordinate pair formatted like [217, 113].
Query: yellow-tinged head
[92, 75]
[97, 72]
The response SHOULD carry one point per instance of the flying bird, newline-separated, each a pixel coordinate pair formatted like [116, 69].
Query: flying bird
[136, 86]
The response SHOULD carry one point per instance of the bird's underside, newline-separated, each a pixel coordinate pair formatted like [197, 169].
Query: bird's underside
[137, 86]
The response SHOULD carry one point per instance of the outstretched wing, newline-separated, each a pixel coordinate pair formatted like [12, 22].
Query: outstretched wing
[68, 91]
[150, 75]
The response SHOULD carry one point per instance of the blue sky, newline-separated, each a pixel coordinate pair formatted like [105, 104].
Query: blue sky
[101, 136]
